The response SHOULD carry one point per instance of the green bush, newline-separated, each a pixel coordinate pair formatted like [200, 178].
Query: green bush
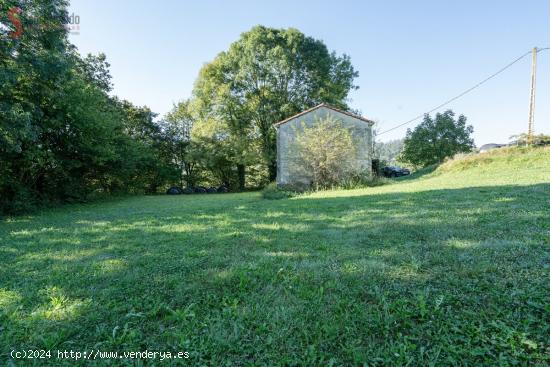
[362, 181]
[377, 181]
[272, 192]
[325, 154]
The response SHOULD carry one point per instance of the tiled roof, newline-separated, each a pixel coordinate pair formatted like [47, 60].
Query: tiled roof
[329, 107]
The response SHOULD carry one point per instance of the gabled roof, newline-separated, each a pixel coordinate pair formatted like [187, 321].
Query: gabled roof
[329, 107]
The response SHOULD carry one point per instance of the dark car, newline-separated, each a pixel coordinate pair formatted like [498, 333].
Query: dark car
[395, 171]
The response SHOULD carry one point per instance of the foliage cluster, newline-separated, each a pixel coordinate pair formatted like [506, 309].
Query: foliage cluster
[435, 139]
[325, 154]
[539, 139]
[64, 138]
[273, 192]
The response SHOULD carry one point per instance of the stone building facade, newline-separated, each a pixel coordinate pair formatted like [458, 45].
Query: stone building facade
[361, 131]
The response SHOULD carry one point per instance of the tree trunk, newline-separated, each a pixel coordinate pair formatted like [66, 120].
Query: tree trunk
[241, 172]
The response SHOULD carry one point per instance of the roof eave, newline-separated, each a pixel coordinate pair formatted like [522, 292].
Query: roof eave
[370, 122]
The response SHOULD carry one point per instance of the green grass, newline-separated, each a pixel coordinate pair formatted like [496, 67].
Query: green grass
[449, 268]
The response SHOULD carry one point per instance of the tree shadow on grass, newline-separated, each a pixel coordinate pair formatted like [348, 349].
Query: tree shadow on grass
[359, 278]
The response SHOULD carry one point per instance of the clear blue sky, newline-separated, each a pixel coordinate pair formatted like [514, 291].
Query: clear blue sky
[411, 56]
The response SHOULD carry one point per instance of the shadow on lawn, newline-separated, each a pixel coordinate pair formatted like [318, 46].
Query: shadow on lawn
[124, 280]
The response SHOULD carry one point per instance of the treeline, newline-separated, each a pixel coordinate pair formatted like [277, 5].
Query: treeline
[64, 138]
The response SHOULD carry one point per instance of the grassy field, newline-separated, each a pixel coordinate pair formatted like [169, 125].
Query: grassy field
[447, 268]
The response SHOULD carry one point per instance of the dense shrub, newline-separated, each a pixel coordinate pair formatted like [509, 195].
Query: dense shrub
[367, 182]
[523, 139]
[326, 154]
[274, 192]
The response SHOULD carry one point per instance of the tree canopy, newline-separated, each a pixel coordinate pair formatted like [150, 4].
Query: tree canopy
[62, 137]
[264, 77]
[437, 138]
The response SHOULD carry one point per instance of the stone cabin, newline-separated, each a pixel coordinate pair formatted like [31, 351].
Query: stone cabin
[360, 127]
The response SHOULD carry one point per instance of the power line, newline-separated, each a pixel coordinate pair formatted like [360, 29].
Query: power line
[461, 94]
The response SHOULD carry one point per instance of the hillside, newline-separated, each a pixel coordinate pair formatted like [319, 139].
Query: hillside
[509, 166]
[445, 268]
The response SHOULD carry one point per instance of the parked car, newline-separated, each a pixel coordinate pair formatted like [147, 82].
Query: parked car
[395, 171]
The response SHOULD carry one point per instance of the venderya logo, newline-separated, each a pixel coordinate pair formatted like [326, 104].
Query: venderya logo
[14, 19]
[71, 24]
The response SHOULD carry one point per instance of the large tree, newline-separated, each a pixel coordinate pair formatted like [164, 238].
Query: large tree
[437, 138]
[222, 116]
[268, 75]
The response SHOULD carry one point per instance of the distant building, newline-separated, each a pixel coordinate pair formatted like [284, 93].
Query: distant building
[360, 128]
[487, 147]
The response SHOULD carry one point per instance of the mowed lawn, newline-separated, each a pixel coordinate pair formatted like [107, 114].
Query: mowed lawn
[449, 268]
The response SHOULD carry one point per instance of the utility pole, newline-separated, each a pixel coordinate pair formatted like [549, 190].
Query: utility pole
[531, 128]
